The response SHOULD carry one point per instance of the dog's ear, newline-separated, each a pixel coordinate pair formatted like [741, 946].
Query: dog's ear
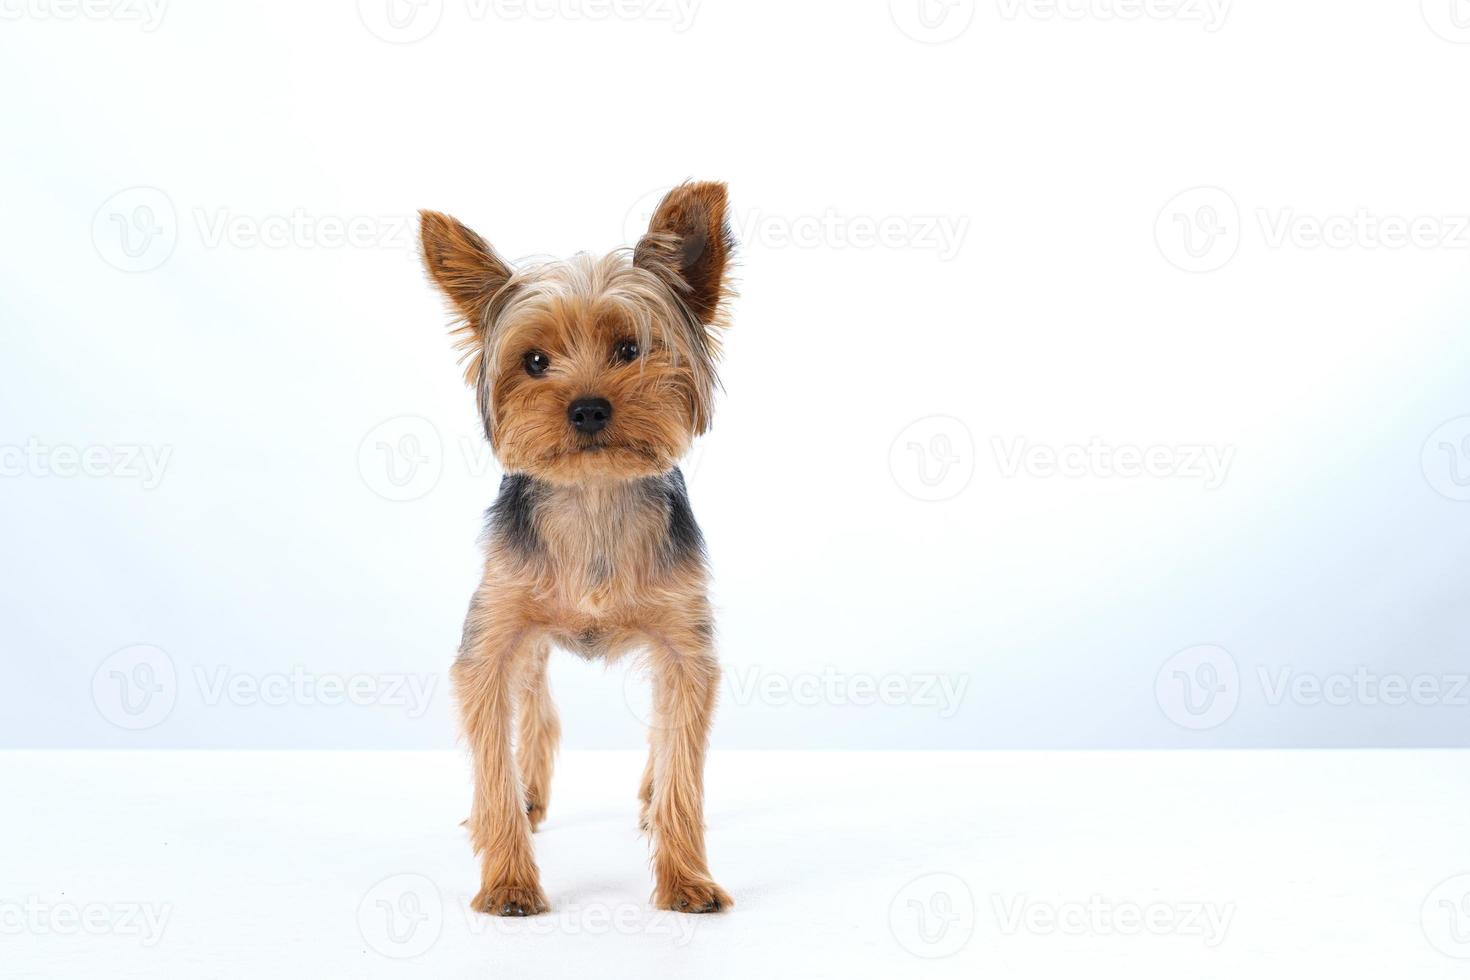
[462, 264]
[688, 245]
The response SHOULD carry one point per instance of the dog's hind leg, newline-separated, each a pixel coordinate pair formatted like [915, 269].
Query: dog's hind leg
[539, 730]
[645, 785]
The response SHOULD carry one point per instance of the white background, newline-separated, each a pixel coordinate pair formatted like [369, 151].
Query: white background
[994, 229]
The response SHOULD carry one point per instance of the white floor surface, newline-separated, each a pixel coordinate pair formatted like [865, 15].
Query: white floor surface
[1027, 864]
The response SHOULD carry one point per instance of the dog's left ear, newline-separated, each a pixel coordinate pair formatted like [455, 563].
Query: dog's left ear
[688, 245]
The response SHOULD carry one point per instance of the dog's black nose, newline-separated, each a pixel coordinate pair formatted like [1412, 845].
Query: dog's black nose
[589, 415]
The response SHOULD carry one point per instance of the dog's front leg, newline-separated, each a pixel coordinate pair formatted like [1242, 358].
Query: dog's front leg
[685, 681]
[491, 660]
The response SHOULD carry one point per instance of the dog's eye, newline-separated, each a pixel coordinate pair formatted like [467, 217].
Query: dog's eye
[536, 363]
[626, 351]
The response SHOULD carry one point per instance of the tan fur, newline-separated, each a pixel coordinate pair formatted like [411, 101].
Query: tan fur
[538, 732]
[601, 580]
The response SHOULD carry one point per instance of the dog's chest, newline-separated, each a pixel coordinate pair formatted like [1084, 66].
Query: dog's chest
[597, 559]
[601, 545]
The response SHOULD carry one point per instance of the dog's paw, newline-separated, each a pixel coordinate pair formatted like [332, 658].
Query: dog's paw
[535, 813]
[511, 900]
[699, 895]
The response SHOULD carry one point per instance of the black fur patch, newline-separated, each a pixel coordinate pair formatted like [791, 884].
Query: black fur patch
[512, 518]
[684, 541]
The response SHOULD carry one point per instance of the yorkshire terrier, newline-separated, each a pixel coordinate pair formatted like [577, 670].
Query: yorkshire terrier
[593, 376]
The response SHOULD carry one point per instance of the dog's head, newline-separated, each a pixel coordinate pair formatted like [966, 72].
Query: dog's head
[593, 368]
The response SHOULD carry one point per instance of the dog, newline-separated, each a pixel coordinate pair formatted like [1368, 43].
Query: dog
[593, 376]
